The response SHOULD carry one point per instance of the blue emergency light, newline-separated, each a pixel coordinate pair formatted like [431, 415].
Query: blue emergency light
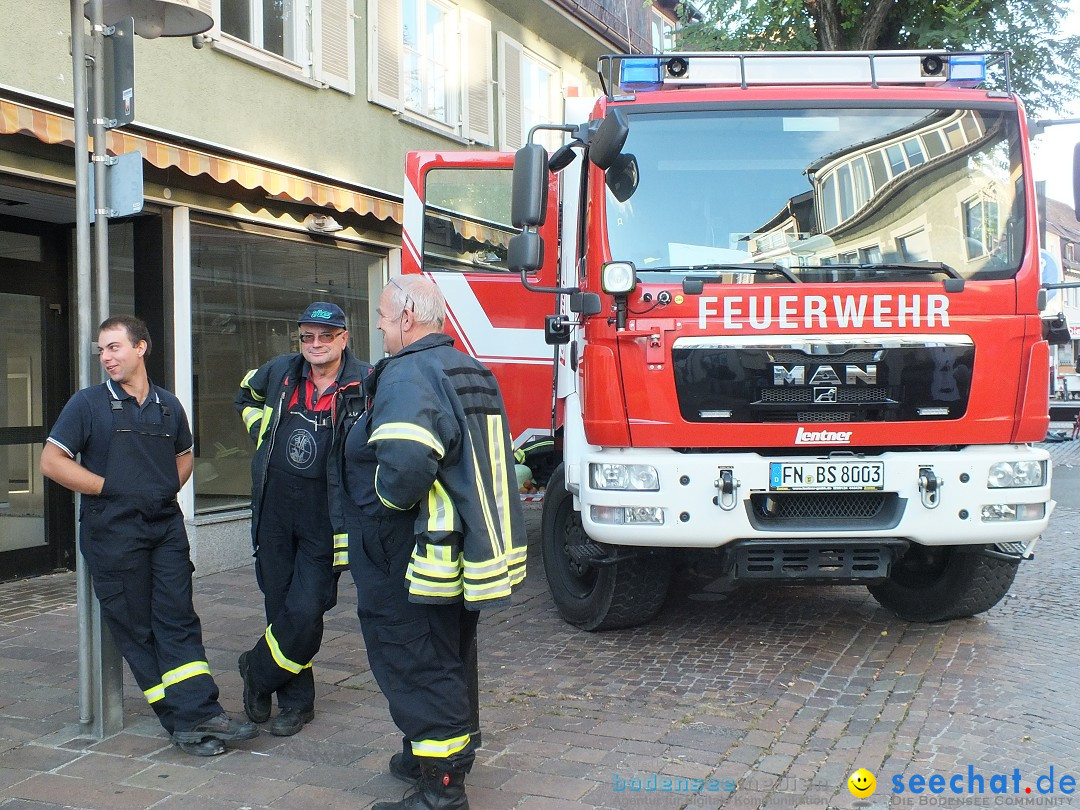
[968, 69]
[640, 73]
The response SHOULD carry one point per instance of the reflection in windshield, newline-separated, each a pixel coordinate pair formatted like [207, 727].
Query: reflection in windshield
[823, 192]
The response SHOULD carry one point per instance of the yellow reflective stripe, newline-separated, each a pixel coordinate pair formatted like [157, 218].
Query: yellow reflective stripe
[502, 477]
[174, 676]
[485, 506]
[440, 509]
[341, 558]
[515, 563]
[244, 384]
[267, 415]
[407, 431]
[251, 415]
[185, 672]
[341, 549]
[341, 540]
[439, 748]
[386, 503]
[496, 590]
[279, 658]
[519, 456]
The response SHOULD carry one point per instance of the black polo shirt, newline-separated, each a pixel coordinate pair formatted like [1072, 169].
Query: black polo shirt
[86, 423]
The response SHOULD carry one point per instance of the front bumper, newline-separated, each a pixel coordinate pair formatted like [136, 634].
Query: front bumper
[711, 499]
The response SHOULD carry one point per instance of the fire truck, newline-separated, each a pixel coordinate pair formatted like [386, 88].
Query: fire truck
[779, 311]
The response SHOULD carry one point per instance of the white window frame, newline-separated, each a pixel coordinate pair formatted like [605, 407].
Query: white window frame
[468, 62]
[515, 60]
[423, 47]
[660, 23]
[324, 36]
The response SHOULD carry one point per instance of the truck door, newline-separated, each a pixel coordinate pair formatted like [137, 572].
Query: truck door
[456, 231]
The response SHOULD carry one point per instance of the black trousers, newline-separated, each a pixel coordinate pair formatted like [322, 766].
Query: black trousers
[418, 653]
[139, 559]
[294, 566]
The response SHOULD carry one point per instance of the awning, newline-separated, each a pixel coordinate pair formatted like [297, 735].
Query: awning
[53, 128]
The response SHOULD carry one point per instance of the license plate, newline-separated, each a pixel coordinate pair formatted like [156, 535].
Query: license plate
[826, 476]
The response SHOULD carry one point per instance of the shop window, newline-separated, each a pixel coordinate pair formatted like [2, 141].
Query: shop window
[246, 292]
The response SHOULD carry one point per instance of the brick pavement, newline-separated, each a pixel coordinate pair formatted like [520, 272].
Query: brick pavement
[778, 691]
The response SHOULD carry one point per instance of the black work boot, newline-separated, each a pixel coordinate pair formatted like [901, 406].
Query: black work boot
[405, 768]
[206, 747]
[257, 704]
[289, 721]
[220, 727]
[440, 788]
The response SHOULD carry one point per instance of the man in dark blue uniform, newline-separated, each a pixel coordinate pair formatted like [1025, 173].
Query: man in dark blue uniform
[289, 406]
[135, 446]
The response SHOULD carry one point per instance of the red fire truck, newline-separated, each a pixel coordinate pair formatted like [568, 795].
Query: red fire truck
[783, 311]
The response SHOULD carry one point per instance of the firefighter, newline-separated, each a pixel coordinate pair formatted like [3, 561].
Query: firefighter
[136, 454]
[288, 406]
[436, 533]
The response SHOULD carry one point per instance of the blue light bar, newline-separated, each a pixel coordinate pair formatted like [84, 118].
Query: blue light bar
[640, 73]
[967, 70]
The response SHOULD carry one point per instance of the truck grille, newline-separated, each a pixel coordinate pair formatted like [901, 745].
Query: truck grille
[805, 394]
[819, 505]
[828, 560]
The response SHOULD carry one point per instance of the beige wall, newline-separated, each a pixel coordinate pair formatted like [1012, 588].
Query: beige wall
[214, 96]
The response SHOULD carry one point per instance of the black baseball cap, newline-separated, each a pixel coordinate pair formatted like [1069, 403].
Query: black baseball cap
[325, 313]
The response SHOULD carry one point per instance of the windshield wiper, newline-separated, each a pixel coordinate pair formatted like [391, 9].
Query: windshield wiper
[915, 268]
[697, 282]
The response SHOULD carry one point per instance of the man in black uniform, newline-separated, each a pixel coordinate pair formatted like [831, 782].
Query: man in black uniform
[436, 534]
[136, 454]
[289, 405]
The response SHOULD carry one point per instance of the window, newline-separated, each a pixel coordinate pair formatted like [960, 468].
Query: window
[247, 289]
[431, 61]
[980, 226]
[914, 247]
[662, 32]
[308, 40]
[530, 93]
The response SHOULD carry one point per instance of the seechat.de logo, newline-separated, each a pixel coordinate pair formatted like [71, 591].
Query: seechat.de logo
[322, 313]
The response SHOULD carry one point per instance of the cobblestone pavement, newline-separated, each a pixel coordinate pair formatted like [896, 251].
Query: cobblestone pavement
[770, 695]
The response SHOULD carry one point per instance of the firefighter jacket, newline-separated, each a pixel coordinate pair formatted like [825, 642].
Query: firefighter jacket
[439, 429]
[264, 394]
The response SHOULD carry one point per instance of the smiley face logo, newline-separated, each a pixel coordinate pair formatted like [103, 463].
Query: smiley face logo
[861, 783]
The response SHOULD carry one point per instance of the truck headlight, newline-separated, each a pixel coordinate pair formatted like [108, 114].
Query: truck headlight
[1002, 512]
[628, 515]
[1006, 474]
[633, 477]
[618, 278]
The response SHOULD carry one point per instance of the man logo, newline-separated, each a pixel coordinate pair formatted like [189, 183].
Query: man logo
[825, 395]
[301, 449]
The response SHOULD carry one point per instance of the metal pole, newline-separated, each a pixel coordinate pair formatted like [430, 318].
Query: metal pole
[100, 668]
[100, 156]
[84, 594]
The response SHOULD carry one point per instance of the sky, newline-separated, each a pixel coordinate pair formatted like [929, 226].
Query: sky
[1052, 152]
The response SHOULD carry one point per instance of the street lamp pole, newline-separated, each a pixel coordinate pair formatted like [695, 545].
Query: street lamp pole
[100, 667]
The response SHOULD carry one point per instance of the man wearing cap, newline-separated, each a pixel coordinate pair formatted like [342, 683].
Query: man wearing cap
[290, 407]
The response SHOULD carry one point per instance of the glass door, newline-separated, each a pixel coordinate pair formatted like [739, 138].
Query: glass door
[37, 521]
[22, 423]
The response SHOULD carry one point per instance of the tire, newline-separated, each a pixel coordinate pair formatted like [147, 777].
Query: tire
[935, 584]
[624, 594]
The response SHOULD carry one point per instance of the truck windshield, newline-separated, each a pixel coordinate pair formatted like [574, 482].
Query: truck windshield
[837, 194]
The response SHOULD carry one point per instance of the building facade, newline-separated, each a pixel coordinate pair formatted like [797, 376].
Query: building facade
[272, 149]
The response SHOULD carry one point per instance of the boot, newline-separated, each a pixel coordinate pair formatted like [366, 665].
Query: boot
[440, 788]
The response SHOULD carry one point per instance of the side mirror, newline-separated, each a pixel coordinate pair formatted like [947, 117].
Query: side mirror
[525, 253]
[1056, 331]
[528, 203]
[622, 177]
[608, 140]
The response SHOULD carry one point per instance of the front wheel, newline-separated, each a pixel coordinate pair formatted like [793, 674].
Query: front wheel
[935, 584]
[596, 597]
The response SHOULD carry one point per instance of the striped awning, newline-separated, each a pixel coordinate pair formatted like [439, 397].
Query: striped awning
[53, 128]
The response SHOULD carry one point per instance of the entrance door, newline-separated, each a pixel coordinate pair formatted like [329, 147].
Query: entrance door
[36, 531]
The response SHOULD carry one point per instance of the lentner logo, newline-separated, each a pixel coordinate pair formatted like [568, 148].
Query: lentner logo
[822, 436]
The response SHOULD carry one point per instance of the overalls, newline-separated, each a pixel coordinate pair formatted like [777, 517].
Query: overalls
[294, 560]
[135, 545]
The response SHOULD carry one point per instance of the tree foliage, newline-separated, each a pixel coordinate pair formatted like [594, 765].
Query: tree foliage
[1045, 61]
